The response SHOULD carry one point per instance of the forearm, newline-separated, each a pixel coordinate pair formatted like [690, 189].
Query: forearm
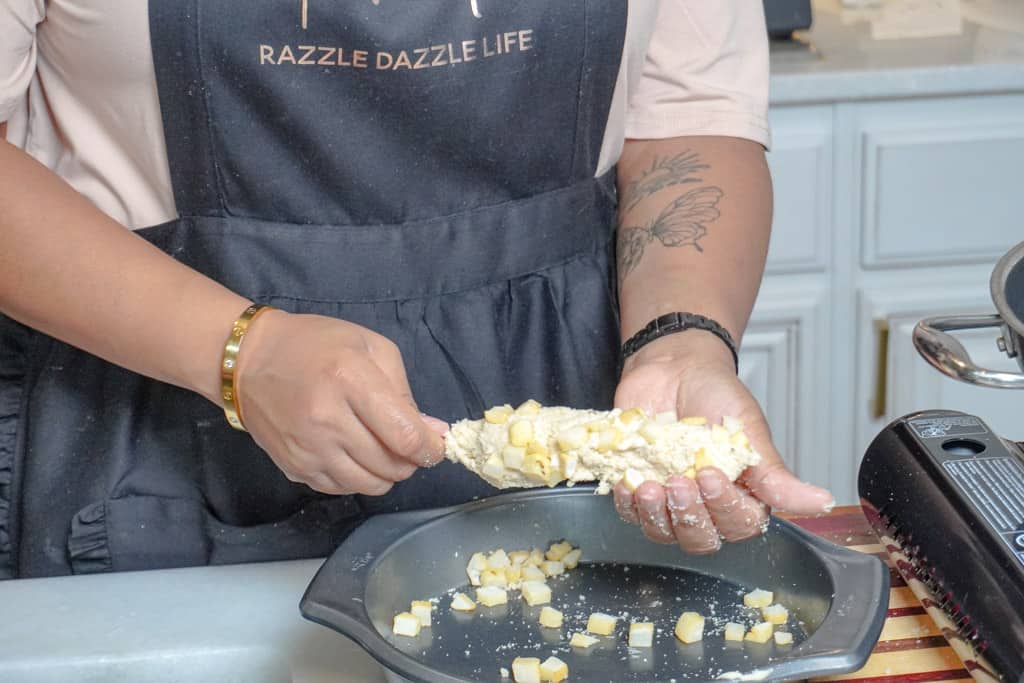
[70, 271]
[694, 222]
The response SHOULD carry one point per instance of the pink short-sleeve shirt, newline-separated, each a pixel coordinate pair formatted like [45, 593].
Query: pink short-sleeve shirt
[78, 90]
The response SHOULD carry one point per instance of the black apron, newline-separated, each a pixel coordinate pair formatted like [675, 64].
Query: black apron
[424, 169]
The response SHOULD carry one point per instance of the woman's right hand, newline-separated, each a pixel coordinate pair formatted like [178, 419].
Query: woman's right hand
[330, 403]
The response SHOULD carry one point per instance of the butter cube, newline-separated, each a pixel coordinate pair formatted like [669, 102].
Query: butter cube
[498, 560]
[760, 632]
[528, 407]
[572, 558]
[462, 603]
[641, 634]
[633, 478]
[734, 631]
[536, 593]
[513, 456]
[514, 573]
[536, 557]
[498, 415]
[783, 638]
[519, 556]
[558, 550]
[491, 596]
[493, 577]
[526, 670]
[554, 670]
[601, 624]
[550, 618]
[775, 614]
[552, 568]
[406, 624]
[533, 573]
[758, 598]
[690, 627]
[421, 609]
[582, 640]
[520, 433]
[494, 468]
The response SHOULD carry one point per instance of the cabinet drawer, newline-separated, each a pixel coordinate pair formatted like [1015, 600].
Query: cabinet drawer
[940, 180]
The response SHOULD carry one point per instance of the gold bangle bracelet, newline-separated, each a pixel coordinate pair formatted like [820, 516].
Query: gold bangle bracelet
[228, 388]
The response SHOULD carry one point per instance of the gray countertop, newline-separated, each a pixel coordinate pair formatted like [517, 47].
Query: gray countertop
[216, 624]
[838, 60]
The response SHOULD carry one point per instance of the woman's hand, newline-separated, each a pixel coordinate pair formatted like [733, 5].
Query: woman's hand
[693, 373]
[330, 403]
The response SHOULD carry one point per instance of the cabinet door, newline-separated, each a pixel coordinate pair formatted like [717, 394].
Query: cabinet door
[781, 361]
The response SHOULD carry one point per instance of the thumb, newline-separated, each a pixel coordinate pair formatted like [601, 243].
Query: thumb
[393, 367]
[772, 483]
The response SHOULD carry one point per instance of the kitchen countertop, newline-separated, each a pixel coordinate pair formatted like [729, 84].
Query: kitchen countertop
[242, 623]
[838, 60]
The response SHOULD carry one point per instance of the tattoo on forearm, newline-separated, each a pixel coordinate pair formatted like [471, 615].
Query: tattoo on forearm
[677, 170]
[682, 223]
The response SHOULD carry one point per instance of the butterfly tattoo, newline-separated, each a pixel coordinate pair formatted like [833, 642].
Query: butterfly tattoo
[681, 223]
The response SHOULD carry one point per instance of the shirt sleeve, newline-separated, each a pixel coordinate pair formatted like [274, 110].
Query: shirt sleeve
[18, 21]
[705, 73]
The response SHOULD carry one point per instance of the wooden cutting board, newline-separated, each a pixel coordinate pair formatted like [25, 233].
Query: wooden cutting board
[911, 648]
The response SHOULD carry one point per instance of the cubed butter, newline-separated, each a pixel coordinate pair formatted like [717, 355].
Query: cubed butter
[533, 573]
[421, 609]
[463, 603]
[552, 568]
[558, 550]
[535, 593]
[498, 559]
[554, 670]
[572, 558]
[491, 596]
[641, 634]
[758, 598]
[690, 627]
[406, 624]
[734, 631]
[602, 624]
[550, 617]
[775, 614]
[783, 638]
[528, 407]
[493, 577]
[582, 640]
[513, 456]
[520, 433]
[760, 632]
[632, 479]
[526, 670]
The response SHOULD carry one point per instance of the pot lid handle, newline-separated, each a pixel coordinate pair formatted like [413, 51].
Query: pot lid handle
[948, 355]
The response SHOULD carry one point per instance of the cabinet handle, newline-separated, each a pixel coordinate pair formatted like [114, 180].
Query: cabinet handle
[878, 407]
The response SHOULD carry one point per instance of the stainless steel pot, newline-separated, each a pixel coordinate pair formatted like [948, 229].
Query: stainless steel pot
[939, 348]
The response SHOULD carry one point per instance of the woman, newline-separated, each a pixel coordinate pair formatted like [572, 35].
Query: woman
[424, 193]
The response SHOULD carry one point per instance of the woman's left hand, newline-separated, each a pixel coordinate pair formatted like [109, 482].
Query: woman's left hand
[693, 373]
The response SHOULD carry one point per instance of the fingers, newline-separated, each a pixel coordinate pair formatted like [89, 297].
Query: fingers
[361, 445]
[692, 526]
[417, 439]
[735, 513]
[624, 504]
[399, 426]
[653, 513]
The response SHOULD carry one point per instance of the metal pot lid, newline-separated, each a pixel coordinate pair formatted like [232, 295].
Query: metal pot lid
[1007, 287]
